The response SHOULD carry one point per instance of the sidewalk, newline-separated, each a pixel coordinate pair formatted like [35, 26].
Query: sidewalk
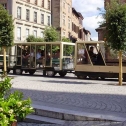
[77, 124]
[103, 98]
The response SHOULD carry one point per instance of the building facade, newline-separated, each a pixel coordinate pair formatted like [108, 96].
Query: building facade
[79, 33]
[30, 17]
[62, 16]
[87, 35]
[67, 20]
[77, 26]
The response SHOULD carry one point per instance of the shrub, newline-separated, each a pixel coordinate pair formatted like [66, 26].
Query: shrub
[12, 105]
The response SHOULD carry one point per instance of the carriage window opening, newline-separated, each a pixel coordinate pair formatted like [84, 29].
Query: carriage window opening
[95, 55]
[82, 55]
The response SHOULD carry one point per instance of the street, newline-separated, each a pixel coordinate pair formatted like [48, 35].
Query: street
[91, 95]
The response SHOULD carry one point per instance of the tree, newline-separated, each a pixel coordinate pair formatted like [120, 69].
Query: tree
[39, 39]
[115, 17]
[32, 38]
[6, 32]
[50, 34]
[68, 49]
[64, 39]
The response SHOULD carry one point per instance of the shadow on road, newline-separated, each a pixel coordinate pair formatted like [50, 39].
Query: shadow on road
[66, 77]
[65, 82]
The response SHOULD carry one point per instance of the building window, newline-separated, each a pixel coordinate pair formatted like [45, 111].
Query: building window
[72, 26]
[69, 23]
[64, 33]
[49, 4]
[19, 12]
[35, 33]
[75, 28]
[63, 20]
[42, 3]
[18, 33]
[27, 14]
[35, 17]
[27, 33]
[41, 35]
[35, 2]
[48, 20]
[5, 5]
[80, 21]
[63, 4]
[42, 18]
[28, 0]
[68, 9]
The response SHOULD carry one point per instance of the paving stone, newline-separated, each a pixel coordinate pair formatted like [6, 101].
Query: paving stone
[104, 96]
[35, 124]
[79, 123]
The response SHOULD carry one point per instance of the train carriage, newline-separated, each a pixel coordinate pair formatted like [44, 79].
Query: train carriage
[91, 61]
[87, 59]
[48, 57]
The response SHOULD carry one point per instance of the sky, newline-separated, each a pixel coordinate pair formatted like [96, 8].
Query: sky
[88, 8]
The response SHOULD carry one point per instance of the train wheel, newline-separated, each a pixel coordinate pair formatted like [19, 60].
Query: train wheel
[17, 71]
[50, 73]
[81, 76]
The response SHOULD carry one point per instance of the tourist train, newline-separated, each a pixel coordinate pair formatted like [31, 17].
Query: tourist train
[87, 59]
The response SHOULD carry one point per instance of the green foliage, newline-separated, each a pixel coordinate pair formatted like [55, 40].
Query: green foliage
[6, 28]
[39, 39]
[12, 105]
[102, 15]
[50, 34]
[5, 87]
[32, 38]
[115, 17]
[114, 54]
[68, 49]
[55, 48]
[65, 39]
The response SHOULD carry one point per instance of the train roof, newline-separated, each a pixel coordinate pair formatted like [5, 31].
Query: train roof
[90, 42]
[42, 43]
